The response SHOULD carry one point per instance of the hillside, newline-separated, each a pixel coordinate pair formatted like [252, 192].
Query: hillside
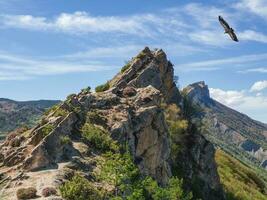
[239, 180]
[234, 132]
[14, 114]
[131, 139]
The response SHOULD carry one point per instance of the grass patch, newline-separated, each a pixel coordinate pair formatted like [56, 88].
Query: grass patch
[239, 181]
[102, 88]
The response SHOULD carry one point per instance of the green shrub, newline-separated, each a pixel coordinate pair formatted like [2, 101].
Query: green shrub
[69, 97]
[47, 129]
[141, 55]
[65, 140]
[173, 190]
[177, 128]
[61, 112]
[120, 171]
[79, 188]
[95, 117]
[52, 109]
[26, 193]
[86, 90]
[126, 66]
[98, 138]
[102, 88]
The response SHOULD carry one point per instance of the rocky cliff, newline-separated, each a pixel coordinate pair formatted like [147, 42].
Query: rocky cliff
[130, 112]
[235, 132]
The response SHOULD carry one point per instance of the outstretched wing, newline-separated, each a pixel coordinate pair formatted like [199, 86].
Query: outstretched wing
[224, 23]
[233, 35]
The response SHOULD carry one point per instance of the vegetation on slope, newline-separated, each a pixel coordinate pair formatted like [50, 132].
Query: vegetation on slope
[118, 171]
[116, 176]
[239, 181]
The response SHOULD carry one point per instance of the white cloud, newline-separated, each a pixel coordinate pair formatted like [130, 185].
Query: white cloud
[222, 63]
[229, 98]
[258, 70]
[250, 35]
[258, 7]
[253, 106]
[258, 86]
[83, 23]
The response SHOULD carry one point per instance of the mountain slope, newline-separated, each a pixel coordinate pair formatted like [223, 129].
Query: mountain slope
[128, 140]
[14, 114]
[239, 181]
[234, 132]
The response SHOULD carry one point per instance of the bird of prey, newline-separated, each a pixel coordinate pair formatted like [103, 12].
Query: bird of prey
[228, 29]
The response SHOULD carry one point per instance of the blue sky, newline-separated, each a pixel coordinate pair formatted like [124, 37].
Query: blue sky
[49, 49]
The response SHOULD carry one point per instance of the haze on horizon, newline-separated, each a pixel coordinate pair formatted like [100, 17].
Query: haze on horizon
[50, 49]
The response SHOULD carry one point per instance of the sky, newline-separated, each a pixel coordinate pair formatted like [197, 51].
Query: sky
[50, 49]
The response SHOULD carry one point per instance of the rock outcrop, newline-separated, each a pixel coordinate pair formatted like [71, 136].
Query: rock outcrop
[131, 111]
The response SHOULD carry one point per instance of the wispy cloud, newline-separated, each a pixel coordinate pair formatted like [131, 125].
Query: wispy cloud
[170, 23]
[218, 63]
[257, 70]
[258, 7]
[250, 35]
[15, 67]
[84, 23]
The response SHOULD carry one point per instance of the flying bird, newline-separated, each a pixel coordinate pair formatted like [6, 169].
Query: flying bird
[228, 29]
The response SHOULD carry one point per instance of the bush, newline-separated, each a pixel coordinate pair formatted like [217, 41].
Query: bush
[47, 129]
[79, 188]
[102, 88]
[65, 140]
[49, 191]
[141, 55]
[173, 190]
[61, 112]
[52, 109]
[99, 138]
[126, 66]
[120, 171]
[86, 90]
[26, 193]
[95, 117]
[69, 97]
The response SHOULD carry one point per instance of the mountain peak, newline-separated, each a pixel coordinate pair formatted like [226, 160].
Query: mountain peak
[149, 68]
[198, 92]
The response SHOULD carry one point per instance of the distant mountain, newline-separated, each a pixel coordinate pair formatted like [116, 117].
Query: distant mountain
[232, 131]
[14, 114]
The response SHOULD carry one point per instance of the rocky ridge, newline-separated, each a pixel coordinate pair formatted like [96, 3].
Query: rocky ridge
[131, 111]
[235, 132]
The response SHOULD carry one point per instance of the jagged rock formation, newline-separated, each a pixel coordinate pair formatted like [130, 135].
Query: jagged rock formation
[131, 112]
[235, 132]
[14, 114]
